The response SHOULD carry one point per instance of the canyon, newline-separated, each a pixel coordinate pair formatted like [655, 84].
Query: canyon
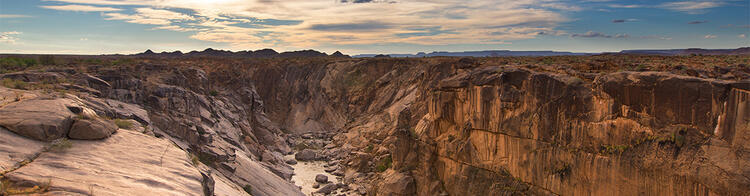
[221, 125]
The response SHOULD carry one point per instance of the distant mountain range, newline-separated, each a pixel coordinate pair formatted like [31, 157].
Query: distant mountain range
[689, 51]
[264, 53]
[487, 53]
[268, 53]
[500, 53]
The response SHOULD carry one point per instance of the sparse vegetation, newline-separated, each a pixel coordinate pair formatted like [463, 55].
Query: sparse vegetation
[8, 188]
[124, 124]
[369, 148]
[614, 149]
[412, 133]
[563, 171]
[248, 189]
[205, 159]
[384, 164]
[194, 159]
[60, 145]
[11, 64]
[16, 84]
[213, 93]
[47, 60]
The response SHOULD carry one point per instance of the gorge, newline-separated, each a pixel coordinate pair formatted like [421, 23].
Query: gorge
[208, 125]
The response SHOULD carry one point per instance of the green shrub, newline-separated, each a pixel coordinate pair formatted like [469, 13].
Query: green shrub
[369, 148]
[614, 149]
[47, 60]
[193, 159]
[16, 84]
[384, 164]
[248, 189]
[563, 171]
[206, 159]
[60, 145]
[12, 64]
[213, 93]
[124, 124]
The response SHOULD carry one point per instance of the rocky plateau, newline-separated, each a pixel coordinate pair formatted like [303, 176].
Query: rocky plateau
[228, 125]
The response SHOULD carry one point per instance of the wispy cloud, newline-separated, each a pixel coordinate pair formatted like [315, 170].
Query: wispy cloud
[624, 6]
[737, 26]
[698, 22]
[9, 37]
[623, 20]
[81, 8]
[592, 34]
[256, 23]
[151, 16]
[14, 16]
[709, 36]
[691, 7]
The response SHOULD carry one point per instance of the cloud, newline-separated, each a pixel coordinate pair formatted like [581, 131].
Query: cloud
[623, 20]
[264, 23]
[150, 16]
[365, 26]
[624, 6]
[137, 19]
[741, 36]
[738, 26]
[561, 6]
[14, 16]
[592, 34]
[698, 22]
[709, 36]
[655, 37]
[162, 14]
[9, 37]
[357, 1]
[691, 7]
[81, 8]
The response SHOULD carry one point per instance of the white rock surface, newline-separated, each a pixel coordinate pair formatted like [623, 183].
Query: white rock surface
[15, 148]
[128, 163]
[262, 181]
[225, 187]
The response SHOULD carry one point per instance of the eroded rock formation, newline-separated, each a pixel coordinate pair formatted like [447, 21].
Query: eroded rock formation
[390, 126]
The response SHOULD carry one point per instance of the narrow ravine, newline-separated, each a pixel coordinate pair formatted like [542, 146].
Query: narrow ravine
[316, 155]
[305, 172]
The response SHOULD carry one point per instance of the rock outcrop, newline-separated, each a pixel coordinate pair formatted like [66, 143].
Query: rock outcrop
[39, 119]
[126, 163]
[91, 128]
[386, 126]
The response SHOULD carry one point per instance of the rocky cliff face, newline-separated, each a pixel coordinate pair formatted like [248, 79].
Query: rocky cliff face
[465, 128]
[430, 126]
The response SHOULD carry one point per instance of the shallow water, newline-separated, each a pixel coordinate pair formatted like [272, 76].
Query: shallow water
[305, 172]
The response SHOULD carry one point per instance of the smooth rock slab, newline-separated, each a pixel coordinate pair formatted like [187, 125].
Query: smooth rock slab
[128, 163]
[44, 120]
[262, 181]
[15, 148]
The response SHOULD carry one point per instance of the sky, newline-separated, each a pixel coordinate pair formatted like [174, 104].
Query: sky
[369, 26]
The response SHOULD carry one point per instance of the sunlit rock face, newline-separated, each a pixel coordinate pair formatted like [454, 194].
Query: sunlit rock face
[391, 126]
[461, 127]
[623, 134]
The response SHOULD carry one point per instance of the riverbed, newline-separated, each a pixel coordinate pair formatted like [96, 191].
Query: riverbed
[305, 172]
